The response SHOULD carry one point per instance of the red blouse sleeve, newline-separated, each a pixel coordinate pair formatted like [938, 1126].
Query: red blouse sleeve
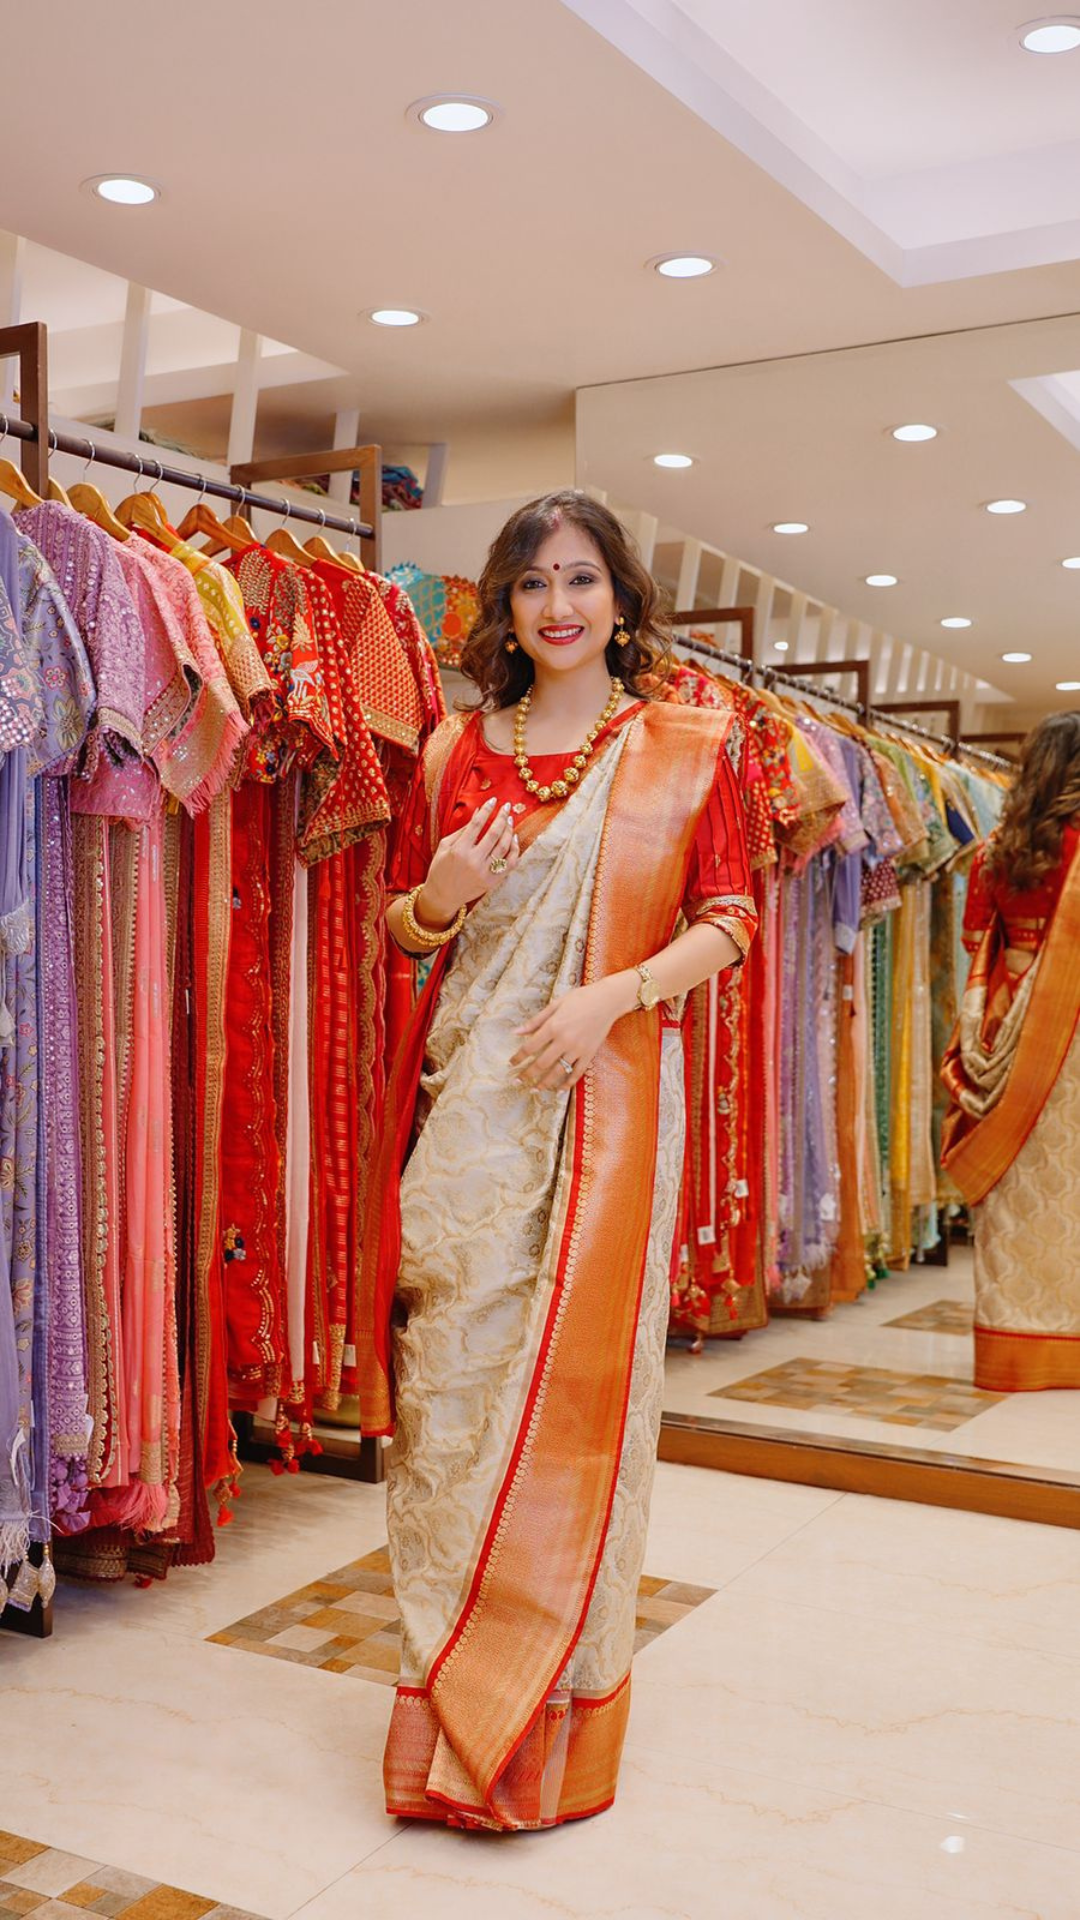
[979, 906]
[718, 886]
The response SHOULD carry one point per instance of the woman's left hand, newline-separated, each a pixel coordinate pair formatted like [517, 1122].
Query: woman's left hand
[571, 1029]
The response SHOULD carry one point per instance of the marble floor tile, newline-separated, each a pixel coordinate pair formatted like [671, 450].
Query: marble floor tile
[885, 1710]
[968, 1574]
[706, 1527]
[693, 1841]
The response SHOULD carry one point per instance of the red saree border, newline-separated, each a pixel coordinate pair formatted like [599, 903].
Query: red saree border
[1007, 1362]
[976, 1153]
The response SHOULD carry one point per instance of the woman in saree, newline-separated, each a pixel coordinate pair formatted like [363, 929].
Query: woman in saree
[514, 1291]
[1012, 1136]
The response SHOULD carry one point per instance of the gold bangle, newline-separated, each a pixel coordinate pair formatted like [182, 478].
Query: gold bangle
[428, 939]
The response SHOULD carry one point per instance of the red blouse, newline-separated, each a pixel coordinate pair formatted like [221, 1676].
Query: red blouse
[718, 888]
[1024, 916]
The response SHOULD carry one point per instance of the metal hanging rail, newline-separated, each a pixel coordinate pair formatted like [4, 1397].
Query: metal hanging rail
[143, 466]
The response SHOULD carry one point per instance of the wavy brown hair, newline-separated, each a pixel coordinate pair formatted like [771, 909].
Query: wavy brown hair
[640, 661]
[1026, 845]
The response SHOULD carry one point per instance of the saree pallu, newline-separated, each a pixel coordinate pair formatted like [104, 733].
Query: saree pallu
[535, 1247]
[1012, 1145]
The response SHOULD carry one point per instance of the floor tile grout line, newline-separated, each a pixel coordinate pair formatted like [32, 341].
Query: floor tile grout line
[363, 1861]
[777, 1544]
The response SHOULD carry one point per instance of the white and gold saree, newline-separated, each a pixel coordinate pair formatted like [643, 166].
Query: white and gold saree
[526, 1249]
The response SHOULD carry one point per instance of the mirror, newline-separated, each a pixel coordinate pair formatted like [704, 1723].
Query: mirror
[842, 1328]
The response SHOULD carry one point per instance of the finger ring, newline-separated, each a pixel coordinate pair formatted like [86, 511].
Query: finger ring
[566, 1065]
[498, 865]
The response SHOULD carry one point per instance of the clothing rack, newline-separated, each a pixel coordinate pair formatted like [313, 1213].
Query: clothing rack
[795, 677]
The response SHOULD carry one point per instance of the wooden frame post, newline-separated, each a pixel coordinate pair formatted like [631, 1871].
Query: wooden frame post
[30, 343]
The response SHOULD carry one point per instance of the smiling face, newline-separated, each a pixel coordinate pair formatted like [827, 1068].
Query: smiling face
[563, 606]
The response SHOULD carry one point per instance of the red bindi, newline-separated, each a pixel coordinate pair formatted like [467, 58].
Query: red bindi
[555, 568]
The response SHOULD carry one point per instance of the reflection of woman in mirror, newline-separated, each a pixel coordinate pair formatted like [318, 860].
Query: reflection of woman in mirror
[1012, 1138]
[515, 1296]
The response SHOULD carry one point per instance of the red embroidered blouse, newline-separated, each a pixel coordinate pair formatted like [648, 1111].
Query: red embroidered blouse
[718, 888]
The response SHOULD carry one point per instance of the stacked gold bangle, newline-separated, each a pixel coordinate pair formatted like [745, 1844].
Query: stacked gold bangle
[428, 939]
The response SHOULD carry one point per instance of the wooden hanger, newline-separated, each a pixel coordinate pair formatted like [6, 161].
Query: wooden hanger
[90, 501]
[243, 528]
[14, 483]
[352, 561]
[320, 549]
[222, 537]
[283, 542]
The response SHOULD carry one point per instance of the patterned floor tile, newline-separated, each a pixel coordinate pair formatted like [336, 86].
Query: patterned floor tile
[52, 1885]
[939, 1316]
[354, 1626]
[874, 1393]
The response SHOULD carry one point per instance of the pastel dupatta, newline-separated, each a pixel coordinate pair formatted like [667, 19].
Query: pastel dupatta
[531, 1227]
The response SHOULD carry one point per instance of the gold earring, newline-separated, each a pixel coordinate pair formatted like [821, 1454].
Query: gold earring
[511, 645]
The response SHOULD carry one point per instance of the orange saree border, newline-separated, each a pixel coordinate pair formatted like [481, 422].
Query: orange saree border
[977, 1152]
[593, 1752]
[1025, 1362]
[530, 1594]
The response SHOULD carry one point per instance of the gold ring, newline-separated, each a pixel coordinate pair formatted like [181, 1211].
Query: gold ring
[498, 865]
[566, 1065]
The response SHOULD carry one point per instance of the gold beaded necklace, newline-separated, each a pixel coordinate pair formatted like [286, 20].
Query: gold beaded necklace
[574, 769]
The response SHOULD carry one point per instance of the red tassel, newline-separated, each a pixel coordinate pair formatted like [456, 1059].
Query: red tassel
[277, 1466]
[143, 1580]
[293, 1466]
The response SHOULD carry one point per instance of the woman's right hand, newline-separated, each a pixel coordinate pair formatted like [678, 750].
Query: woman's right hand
[460, 870]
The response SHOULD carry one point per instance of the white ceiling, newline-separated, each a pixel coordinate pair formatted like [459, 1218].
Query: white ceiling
[808, 439]
[295, 194]
[922, 131]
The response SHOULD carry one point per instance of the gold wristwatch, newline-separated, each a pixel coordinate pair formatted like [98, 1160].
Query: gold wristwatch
[648, 993]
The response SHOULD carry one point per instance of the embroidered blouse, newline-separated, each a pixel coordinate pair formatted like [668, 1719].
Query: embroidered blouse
[718, 887]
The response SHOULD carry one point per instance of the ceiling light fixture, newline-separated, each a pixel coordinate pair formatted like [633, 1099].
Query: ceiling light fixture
[453, 113]
[123, 189]
[395, 316]
[1006, 506]
[881, 579]
[1016, 659]
[1058, 34]
[1068, 686]
[1072, 564]
[672, 460]
[790, 526]
[956, 620]
[683, 266]
[781, 646]
[915, 431]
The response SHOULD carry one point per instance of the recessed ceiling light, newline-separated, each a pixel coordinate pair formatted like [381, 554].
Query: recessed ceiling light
[1068, 686]
[683, 266]
[1006, 506]
[956, 620]
[1058, 34]
[1016, 659]
[1073, 563]
[781, 646]
[395, 316]
[123, 189]
[790, 526]
[881, 579]
[916, 431]
[453, 113]
[672, 460]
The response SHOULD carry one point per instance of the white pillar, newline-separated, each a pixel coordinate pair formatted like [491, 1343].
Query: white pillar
[689, 569]
[435, 476]
[245, 400]
[346, 432]
[12, 262]
[129, 393]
